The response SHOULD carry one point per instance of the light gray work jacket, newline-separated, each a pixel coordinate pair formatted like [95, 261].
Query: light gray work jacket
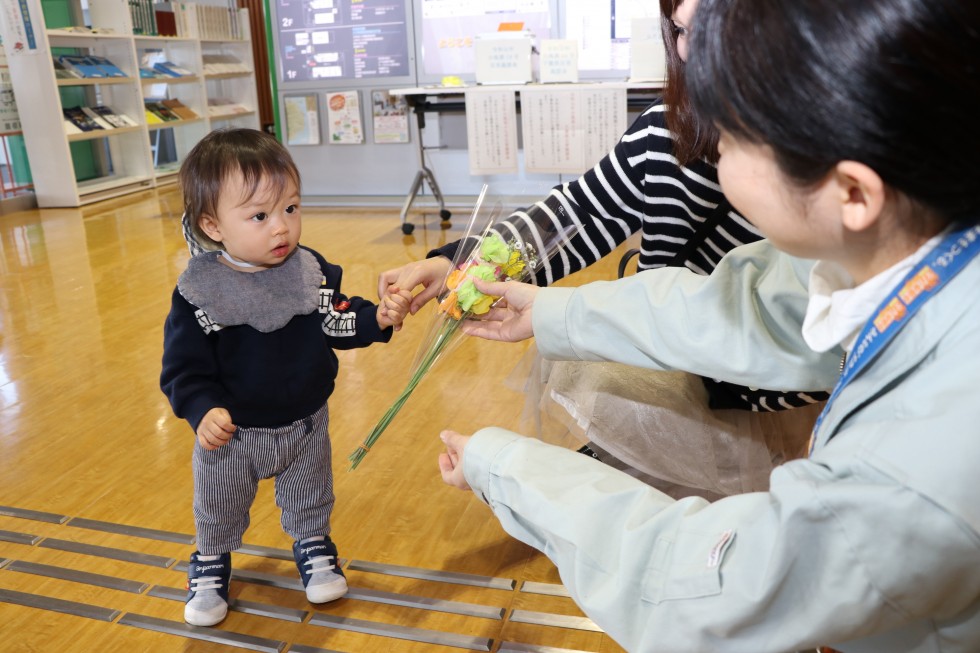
[871, 544]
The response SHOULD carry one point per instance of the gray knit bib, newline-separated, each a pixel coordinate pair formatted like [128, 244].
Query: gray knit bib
[266, 300]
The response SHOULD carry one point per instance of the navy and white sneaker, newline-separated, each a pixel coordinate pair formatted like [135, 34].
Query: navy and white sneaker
[316, 559]
[207, 589]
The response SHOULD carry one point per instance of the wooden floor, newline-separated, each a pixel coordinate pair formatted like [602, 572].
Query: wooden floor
[86, 434]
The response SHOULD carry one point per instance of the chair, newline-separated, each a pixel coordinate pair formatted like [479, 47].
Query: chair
[624, 261]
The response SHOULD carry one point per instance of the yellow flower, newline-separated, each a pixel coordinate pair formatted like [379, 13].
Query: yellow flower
[483, 305]
[514, 266]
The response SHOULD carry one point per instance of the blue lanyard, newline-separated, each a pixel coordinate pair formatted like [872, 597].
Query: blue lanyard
[925, 280]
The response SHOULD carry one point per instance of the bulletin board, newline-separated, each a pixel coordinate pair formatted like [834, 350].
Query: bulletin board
[343, 40]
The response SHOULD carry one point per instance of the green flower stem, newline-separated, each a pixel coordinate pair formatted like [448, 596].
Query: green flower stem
[445, 336]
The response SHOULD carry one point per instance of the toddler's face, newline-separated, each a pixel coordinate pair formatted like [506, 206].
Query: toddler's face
[263, 229]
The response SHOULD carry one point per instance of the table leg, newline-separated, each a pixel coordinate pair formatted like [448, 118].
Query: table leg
[423, 176]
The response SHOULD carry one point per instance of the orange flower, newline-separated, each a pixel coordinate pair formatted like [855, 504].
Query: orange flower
[454, 278]
[451, 306]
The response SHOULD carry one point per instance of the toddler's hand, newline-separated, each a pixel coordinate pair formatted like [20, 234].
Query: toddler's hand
[393, 308]
[428, 273]
[216, 429]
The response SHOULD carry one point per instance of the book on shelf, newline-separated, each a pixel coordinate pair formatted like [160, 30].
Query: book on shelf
[106, 66]
[114, 119]
[78, 117]
[170, 69]
[148, 59]
[60, 72]
[90, 66]
[179, 109]
[70, 128]
[209, 22]
[81, 65]
[144, 17]
[85, 119]
[219, 106]
[86, 30]
[163, 12]
[152, 118]
[162, 111]
[98, 119]
[217, 64]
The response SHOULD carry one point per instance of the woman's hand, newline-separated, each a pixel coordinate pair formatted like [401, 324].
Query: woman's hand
[428, 273]
[451, 462]
[510, 319]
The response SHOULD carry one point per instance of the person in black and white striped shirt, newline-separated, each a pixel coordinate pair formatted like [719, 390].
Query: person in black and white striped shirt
[660, 180]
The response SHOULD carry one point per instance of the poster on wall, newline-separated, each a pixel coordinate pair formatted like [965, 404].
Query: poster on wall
[9, 118]
[491, 131]
[17, 28]
[344, 117]
[390, 113]
[342, 39]
[567, 131]
[302, 120]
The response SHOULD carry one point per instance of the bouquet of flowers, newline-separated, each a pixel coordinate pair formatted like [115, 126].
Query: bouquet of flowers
[493, 249]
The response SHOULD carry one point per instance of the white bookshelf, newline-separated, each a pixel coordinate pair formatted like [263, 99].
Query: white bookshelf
[126, 158]
[186, 53]
[236, 85]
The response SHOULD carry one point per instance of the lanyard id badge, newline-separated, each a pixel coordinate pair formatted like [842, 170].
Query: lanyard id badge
[921, 284]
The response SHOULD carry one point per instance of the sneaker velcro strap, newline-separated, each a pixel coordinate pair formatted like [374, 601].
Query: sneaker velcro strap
[320, 563]
[205, 583]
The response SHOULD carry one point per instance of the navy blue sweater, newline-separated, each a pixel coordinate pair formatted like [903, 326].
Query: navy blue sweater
[263, 379]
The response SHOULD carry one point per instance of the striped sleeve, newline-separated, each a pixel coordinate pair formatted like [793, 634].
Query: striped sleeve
[607, 204]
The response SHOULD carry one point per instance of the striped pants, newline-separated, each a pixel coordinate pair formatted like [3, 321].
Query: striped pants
[227, 478]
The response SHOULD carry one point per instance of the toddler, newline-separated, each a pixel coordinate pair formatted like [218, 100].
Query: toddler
[249, 361]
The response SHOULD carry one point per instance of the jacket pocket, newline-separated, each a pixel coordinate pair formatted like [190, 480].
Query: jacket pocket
[687, 566]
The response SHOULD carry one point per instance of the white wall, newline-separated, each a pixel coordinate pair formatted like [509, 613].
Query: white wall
[376, 173]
